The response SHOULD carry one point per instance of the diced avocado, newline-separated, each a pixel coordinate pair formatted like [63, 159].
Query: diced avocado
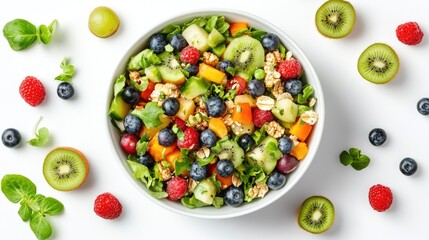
[194, 87]
[119, 108]
[205, 191]
[215, 38]
[265, 155]
[196, 37]
[153, 73]
[285, 110]
[218, 50]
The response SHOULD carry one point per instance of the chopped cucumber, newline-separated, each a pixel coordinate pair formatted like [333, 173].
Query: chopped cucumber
[205, 191]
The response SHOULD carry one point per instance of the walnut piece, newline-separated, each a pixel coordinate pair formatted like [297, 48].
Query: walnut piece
[236, 181]
[259, 190]
[274, 129]
[165, 172]
[210, 59]
[203, 152]
[166, 90]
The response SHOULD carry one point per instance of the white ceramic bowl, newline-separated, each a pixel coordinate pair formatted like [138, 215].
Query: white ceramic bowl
[315, 138]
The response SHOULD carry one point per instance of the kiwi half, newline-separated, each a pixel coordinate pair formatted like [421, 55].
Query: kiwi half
[316, 214]
[65, 168]
[378, 63]
[227, 149]
[170, 69]
[335, 18]
[246, 53]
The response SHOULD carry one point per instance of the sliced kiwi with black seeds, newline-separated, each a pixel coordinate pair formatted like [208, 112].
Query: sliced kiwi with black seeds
[378, 63]
[246, 53]
[170, 69]
[65, 168]
[335, 18]
[316, 214]
[227, 149]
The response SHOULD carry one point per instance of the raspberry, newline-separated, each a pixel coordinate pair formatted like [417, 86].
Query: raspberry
[32, 91]
[176, 188]
[409, 33]
[380, 197]
[237, 83]
[262, 116]
[290, 68]
[190, 55]
[190, 139]
[180, 123]
[107, 206]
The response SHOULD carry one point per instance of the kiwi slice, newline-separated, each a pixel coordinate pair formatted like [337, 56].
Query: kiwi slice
[65, 168]
[246, 53]
[316, 214]
[378, 63]
[335, 18]
[227, 149]
[170, 69]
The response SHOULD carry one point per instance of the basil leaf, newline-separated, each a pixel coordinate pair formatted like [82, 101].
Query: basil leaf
[149, 115]
[17, 187]
[40, 226]
[45, 32]
[24, 212]
[51, 206]
[20, 34]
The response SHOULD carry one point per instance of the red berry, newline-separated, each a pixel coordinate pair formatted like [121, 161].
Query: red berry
[190, 139]
[237, 83]
[409, 33]
[180, 123]
[261, 116]
[32, 91]
[107, 206]
[176, 188]
[380, 197]
[290, 68]
[190, 55]
[129, 143]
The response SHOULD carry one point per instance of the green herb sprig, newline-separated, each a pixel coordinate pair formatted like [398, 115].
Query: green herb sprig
[354, 158]
[21, 34]
[68, 71]
[41, 135]
[34, 207]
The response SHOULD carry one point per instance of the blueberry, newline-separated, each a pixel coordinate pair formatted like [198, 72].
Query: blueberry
[276, 180]
[408, 166]
[377, 136]
[225, 168]
[423, 106]
[130, 95]
[285, 145]
[234, 196]
[178, 42]
[270, 42]
[11, 137]
[171, 106]
[192, 70]
[246, 142]
[215, 106]
[166, 137]
[198, 172]
[224, 65]
[65, 90]
[256, 88]
[132, 124]
[157, 43]
[208, 138]
[146, 160]
[293, 86]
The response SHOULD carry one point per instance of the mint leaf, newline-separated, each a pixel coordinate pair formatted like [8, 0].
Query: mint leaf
[345, 158]
[51, 206]
[361, 163]
[273, 150]
[153, 184]
[149, 115]
[68, 71]
[16, 187]
[40, 226]
[41, 135]
[178, 131]
[184, 164]
[259, 135]
[306, 93]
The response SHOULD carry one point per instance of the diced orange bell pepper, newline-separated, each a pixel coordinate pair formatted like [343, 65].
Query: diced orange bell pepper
[211, 74]
[299, 151]
[158, 151]
[242, 113]
[301, 130]
[226, 182]
[218, 127]
[172, 158]
[236, 27]
[146, 93]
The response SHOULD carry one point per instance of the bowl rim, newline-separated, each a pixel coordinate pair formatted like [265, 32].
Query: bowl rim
[316, 136]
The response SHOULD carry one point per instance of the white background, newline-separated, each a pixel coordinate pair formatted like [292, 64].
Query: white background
[353, 106]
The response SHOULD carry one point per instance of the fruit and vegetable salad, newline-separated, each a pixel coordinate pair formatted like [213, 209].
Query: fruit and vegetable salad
[212, 112]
